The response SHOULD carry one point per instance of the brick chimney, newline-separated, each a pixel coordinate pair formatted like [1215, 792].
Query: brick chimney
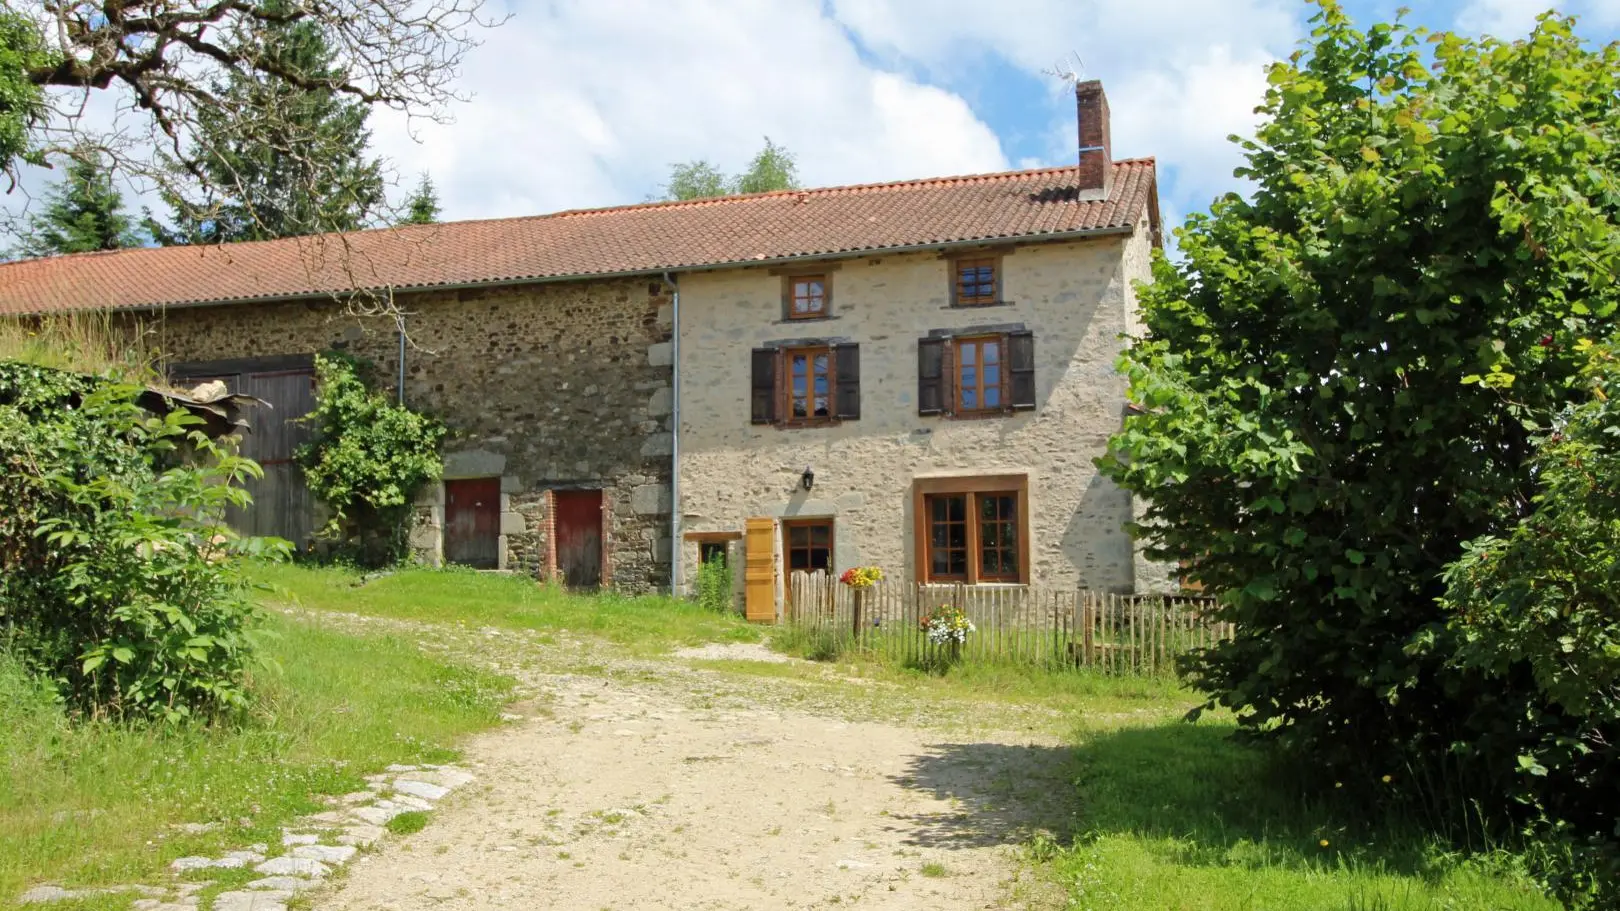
[1096, 150]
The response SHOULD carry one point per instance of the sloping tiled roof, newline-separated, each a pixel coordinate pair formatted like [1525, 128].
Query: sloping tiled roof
[629, 239]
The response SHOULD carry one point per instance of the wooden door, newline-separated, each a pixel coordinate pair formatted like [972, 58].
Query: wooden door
[282, 505]
[759, 570]
[472, 522]
[579, 537]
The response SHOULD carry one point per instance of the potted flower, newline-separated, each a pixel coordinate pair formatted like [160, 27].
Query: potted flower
[859, 579]
[948, 626]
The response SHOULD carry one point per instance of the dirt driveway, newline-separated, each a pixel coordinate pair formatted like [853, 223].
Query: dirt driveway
[660, 786]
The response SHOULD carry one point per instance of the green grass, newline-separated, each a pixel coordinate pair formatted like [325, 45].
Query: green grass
[1179, 817]
[646, 625]
[93, 803]
[408, 823]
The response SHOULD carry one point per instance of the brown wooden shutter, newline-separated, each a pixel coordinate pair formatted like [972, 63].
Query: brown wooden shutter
[764, 386]
[1021, 370]
[847, 373]
[931, 376]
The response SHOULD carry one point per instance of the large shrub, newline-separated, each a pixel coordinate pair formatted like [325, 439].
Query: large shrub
[1343, 379]
[369, 458]
[1536, 612]
[115, 581]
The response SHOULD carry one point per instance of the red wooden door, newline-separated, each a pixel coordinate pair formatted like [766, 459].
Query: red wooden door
[579, 537]
[472, 522]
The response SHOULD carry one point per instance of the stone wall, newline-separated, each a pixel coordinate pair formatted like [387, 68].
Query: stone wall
[1074, 296]
[550, 386]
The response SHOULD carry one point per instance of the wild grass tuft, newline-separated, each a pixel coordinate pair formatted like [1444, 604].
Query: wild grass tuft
[408, 823]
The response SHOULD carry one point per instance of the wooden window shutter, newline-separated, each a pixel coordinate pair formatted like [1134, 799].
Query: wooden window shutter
[931, 385]
[764, 386]
[1021, 370]
[847, 373]
[759, 570]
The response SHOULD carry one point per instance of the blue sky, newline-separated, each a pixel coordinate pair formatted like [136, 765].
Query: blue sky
[578, 103]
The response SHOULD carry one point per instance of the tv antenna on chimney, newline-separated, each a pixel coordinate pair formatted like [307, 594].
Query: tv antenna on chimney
[1070, 69]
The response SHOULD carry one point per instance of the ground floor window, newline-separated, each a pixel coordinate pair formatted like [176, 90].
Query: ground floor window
[808, 545]
[973, 530]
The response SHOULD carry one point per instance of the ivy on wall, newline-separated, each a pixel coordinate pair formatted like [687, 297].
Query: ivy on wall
[369, 458]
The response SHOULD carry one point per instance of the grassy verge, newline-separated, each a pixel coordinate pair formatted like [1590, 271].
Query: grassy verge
[97, 804]
[1179, 816]
[646, 625]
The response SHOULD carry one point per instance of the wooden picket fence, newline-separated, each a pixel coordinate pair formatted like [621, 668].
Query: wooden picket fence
[1138, 635]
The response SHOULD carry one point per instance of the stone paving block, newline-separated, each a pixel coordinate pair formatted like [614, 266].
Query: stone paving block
[420, 789]
[251, 901]
[40, 894]
[377, 815]
[299, 838]
[293, 866]
[282, 884]
[332, 854]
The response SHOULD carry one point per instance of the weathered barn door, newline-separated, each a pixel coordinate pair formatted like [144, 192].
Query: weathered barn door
[579, 537]
[759, 570]
[472, 522]
[282, 506]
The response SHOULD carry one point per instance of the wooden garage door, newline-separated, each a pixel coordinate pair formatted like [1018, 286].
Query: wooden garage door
[282, 505]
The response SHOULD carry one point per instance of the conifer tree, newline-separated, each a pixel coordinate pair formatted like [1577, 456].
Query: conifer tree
[83, 212]
[281, 160]
[422, 206]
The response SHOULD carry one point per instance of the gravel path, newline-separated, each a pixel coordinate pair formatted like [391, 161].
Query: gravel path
[650, 785]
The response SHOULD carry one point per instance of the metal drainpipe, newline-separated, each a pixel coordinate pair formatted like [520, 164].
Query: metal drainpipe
[399, 322]
[675, 438]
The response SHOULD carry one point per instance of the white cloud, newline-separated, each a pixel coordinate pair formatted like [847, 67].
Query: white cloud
[1511, 19]
[1181, 75]
[588, 103]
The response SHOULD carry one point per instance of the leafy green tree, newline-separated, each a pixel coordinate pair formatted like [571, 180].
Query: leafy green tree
[1535, 612]
[22, 102]
[695, 180]
[84, 212]
[772, 169]
[1341, 382]
[282, 160]
[422, 206]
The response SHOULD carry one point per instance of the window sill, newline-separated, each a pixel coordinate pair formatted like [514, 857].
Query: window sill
[979, 415]
[800, 320]
[989, 306]
[979, 586]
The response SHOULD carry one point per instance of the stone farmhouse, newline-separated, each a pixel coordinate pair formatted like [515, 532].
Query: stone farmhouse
[914, 375]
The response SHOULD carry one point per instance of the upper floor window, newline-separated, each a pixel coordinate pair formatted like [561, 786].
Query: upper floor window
[807, 296]
[810, 383]
[976, 373]
[976, 281]
[806, 384]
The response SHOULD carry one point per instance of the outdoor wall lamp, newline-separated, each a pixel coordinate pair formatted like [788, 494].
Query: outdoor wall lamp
[808, 479]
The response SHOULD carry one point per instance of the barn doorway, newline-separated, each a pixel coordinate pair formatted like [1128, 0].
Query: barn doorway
[282, 506]
[472, 522]
[579, 537]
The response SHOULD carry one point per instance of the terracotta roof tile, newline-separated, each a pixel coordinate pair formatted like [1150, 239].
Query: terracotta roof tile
[629, 239]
